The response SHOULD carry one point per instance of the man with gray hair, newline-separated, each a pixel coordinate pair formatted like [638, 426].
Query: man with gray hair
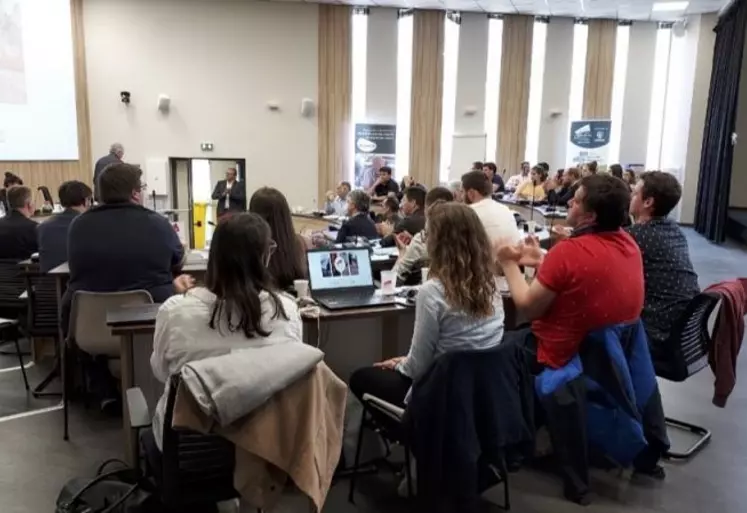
[116, 152]
[359, 223]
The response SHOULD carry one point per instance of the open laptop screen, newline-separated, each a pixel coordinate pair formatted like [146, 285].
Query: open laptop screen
[339, 269]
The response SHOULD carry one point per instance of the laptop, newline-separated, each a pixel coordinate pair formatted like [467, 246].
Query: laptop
[342, 278]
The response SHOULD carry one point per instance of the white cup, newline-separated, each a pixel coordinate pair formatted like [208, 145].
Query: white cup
[302, 288]
[531, 226]
[388, 282]
[424, 274]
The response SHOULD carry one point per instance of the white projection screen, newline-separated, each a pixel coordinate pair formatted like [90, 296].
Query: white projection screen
[37, 81]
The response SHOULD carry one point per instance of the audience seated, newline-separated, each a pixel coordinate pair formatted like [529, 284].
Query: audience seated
[391, 214]
[498, 220]
[456, 189]
[669, 276]
[239, 306]
[9, 181]
[384, 185]
[569, 184]
[413, 251]
[121, 245]
[477, 165]
[491, 172]
[359, 223]
[533, 189]
[590, 168]
[591, 280]
[516, 180]
[288, 258]
[459, 308]
[337, 204]
[413, 222]
[75, 197]
[616, 170]
[17, 230]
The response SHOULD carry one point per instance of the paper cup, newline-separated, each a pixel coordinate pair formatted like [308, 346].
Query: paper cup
[388, 282]
[532, 225]
[424, 274]
[302, 288]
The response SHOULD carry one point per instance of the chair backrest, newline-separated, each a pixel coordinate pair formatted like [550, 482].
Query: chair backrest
[12, 285]
[690, 339]
[43, 306]
[197, 468]
[88, 318]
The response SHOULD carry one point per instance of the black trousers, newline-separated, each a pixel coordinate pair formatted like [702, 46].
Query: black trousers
[389, 385]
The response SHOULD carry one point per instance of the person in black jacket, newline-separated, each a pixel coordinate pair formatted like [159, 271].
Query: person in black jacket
[230, 193]
[76, 198]
[17, 230]
[413, 222]
[121, 245]
[9, 181]
[561, 196]
[491, 172]
[116, 152]
[359, 223]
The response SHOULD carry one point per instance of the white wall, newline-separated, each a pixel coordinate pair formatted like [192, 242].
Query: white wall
[220, 61]
[701, 86]
[471, 73]
[381, 66]
[637, 100]
[556, 90]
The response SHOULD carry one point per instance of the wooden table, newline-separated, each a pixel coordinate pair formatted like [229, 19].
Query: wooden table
[305, 221]
[539, 214]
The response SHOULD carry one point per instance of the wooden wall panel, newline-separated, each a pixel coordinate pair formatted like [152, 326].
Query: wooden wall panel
[427, 96]
[600, 69]
[516, 69]
[335, 95]
[53, 172]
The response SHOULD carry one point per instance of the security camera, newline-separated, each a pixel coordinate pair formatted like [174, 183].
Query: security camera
[124, 96]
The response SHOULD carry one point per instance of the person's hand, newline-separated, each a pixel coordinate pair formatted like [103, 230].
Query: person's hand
[385, 229]
[330, 196]
[550, 185]
[391, 363]
[531, 252]
[561, 232]
[403, 239]
[506, 252]
[183, 283]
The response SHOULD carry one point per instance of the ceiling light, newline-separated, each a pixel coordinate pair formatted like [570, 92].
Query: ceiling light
[670, 6]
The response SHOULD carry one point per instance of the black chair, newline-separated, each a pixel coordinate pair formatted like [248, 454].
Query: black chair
[12, 306]
[386, 420]
[43, 322]
[686, 353]
[194, 471]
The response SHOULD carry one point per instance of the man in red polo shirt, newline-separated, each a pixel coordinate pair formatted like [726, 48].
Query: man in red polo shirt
[590, 280]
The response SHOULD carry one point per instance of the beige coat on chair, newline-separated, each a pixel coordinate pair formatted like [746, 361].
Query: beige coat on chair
[297, 434]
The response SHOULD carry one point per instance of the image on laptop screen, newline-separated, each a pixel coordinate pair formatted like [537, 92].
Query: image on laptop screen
[339, 269]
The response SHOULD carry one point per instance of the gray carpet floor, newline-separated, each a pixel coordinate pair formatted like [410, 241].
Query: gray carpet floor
[35, 462]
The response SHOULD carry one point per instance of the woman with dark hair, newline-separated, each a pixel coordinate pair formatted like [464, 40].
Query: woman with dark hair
[534, 188]
[459, 308]
[289, 261]
[616, 170]
[9, 181]
[238, 307]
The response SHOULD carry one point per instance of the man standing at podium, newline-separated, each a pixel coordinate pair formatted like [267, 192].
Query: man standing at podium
[231, 194]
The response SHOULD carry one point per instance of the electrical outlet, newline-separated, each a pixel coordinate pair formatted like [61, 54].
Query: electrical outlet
[206, 146]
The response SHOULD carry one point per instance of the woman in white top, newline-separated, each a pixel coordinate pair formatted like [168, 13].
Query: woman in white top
[238, 307]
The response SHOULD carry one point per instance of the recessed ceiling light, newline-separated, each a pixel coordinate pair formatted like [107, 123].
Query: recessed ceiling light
[670, 6]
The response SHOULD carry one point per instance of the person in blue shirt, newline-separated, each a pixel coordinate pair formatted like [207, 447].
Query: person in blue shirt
[75, 197]
[338, 204]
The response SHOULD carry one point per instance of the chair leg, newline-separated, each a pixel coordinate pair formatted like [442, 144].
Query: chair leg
[704, 436]
[20, 361]
[408, 473]
[65, 390]
[357, 461]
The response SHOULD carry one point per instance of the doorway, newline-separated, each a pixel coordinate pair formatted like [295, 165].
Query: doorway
[192, 183]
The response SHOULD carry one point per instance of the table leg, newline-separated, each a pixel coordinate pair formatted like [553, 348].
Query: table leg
[389, 337]
[127, 359]
[63, 357]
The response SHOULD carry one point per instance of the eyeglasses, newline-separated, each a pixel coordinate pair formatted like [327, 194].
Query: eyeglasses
[273, 247]
[143, 186]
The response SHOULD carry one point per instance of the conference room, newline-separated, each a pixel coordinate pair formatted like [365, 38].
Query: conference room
[395, 185]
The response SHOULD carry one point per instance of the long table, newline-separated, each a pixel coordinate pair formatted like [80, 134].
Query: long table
[350, 339]
[540, 214]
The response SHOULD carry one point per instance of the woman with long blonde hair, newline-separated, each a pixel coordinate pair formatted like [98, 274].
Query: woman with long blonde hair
[459, 308]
